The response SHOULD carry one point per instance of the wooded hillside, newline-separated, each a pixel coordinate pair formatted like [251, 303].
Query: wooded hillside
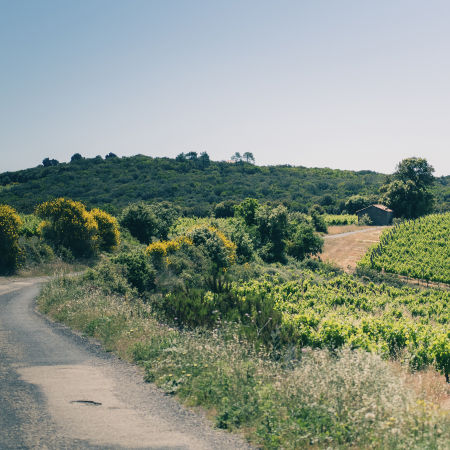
[196, 185]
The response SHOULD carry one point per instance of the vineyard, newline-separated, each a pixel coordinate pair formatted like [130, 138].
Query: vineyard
[417, 249]
[337, 311]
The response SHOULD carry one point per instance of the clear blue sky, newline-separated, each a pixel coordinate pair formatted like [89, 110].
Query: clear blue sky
[342, 84]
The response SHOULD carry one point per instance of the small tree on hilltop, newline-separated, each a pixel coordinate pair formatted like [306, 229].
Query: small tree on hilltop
[248, 157]
[10, 224]
[236, 157]
[76, 157]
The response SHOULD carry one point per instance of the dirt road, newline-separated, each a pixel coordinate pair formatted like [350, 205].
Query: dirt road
[57, 390]
[347, 248]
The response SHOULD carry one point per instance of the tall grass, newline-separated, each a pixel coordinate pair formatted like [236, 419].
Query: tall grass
[348, 399]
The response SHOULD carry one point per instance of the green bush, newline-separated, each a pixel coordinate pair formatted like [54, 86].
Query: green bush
[35, 251]
[108, 230]
[141, 221]
[30, 225]
[304, 242]
[10, 224]
[138, 270]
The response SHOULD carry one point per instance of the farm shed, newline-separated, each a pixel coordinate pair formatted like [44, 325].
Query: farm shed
[379, 214]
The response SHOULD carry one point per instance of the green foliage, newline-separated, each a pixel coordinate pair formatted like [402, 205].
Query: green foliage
[365, 220]
[141, 221]
[247, 210]
[113, 183]
[357, 202]
[341, 311]
[225, 209]
[417, 249]
[108, 230]
[34, 251]
[340, 219]
[137, 270]
[406, 199]
[30, 225]
[272, 227]
[68, 224]
[304, 242]
[145, 220]
[408, 192]
[10, 224]
[319, 222]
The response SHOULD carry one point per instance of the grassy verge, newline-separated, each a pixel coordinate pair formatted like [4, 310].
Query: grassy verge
[347, 400]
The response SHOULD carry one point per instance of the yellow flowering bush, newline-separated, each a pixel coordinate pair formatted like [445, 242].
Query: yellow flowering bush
[161, 249]
[68, 224]
[10, 224]
[211, 241]
[108, 230]
[218, 247]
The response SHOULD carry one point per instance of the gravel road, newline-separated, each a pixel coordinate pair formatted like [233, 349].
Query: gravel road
[60, 391]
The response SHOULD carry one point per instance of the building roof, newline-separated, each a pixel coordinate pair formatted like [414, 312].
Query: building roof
[382, 207]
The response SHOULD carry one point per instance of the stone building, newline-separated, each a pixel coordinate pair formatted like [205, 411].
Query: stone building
[379, 214]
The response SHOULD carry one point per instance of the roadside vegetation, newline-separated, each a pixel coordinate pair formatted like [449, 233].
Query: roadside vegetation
[277, 397]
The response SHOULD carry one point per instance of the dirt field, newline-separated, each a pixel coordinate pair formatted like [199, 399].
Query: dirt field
[346, 245]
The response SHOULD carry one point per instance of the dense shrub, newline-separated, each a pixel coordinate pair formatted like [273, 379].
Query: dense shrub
[304, 242]
[10, 224]
[138, 270]
[68, 224]
[140, 220]
[30, 225]
[318, 221]
[34, 251]
[108, 230]
[224, 209]
[272, 226]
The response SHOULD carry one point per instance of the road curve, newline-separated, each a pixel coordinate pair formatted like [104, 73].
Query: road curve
[58, 390]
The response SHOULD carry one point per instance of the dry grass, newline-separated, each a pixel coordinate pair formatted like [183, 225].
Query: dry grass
[339, 229]
[345, 251]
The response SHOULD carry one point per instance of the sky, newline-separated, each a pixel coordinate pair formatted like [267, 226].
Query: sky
[348, 84]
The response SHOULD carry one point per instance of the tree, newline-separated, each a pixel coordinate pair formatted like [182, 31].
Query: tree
[204, 160]
[356, 202]
[236, 157]
[247, 210]
[417, 170]
[110, 155]
[407, 192]
[76, 157]
[224, 209]
[10, 224]
[47, 162]
[304, 242]
[248, 157]
[191, 156]
[141, 221]
[145, 220]
[272, 225]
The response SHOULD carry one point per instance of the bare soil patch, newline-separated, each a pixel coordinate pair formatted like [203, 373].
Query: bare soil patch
[346, 250]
